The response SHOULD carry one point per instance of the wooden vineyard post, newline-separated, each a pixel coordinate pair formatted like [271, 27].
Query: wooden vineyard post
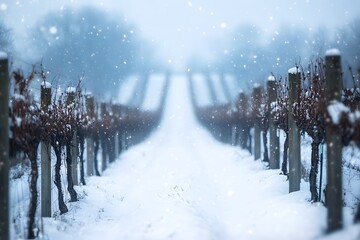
[235, 133]
[45, 147]
[333, 143]
[103, 136]
[71, 93]
[116, 113]
[111, 138]
[4, 147]
[256, 100]
[120, 129]
[243, 126]
[274, 139]
[124, 115]
[294, 133]
[90, 109]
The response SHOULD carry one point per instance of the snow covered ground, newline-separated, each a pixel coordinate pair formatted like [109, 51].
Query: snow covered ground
[127, 89]
[154, 92]
[203, 97]
[182, 184]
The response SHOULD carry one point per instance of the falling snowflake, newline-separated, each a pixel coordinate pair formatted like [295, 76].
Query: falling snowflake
[53, 30]
[223, 25]
[3, 6]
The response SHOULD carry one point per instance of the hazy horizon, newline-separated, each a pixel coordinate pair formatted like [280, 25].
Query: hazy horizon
[183, 29]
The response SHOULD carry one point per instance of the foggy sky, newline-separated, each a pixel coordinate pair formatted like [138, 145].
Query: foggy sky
[183, 28]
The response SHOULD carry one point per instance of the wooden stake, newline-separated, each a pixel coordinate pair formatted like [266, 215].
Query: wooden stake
[294, 133]
[45, 157]
[333, 144]
[274, 162]
[257, 136]
[74, 146]
[90, 108]
[103, 137]
[4, 147]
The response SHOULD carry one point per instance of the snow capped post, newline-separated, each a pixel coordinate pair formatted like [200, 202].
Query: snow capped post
[274, 162]
[90, 109]
[333, 143]
[4, 147]
[294, 133]
[256, 99]
[71, 94]
[45, 147]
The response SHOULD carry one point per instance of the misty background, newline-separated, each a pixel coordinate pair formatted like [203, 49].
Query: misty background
[104, 42]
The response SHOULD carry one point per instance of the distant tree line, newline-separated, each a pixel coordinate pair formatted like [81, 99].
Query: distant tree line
[5, 38]
[87, 41]
[72, 43]
[251, 56]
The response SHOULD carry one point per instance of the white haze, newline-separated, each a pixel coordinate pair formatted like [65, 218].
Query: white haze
[181, 28]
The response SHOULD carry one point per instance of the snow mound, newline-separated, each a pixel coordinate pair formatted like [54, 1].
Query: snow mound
[271, 78]
[3, 55]
[294, 70]
[335, 110]
[46, 85]
[71, 90]
[332, 52]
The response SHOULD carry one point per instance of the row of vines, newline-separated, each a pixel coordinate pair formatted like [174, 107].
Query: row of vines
[84, 135]
[316, 111]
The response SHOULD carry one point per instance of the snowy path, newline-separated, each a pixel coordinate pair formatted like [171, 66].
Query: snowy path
[182, 184]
